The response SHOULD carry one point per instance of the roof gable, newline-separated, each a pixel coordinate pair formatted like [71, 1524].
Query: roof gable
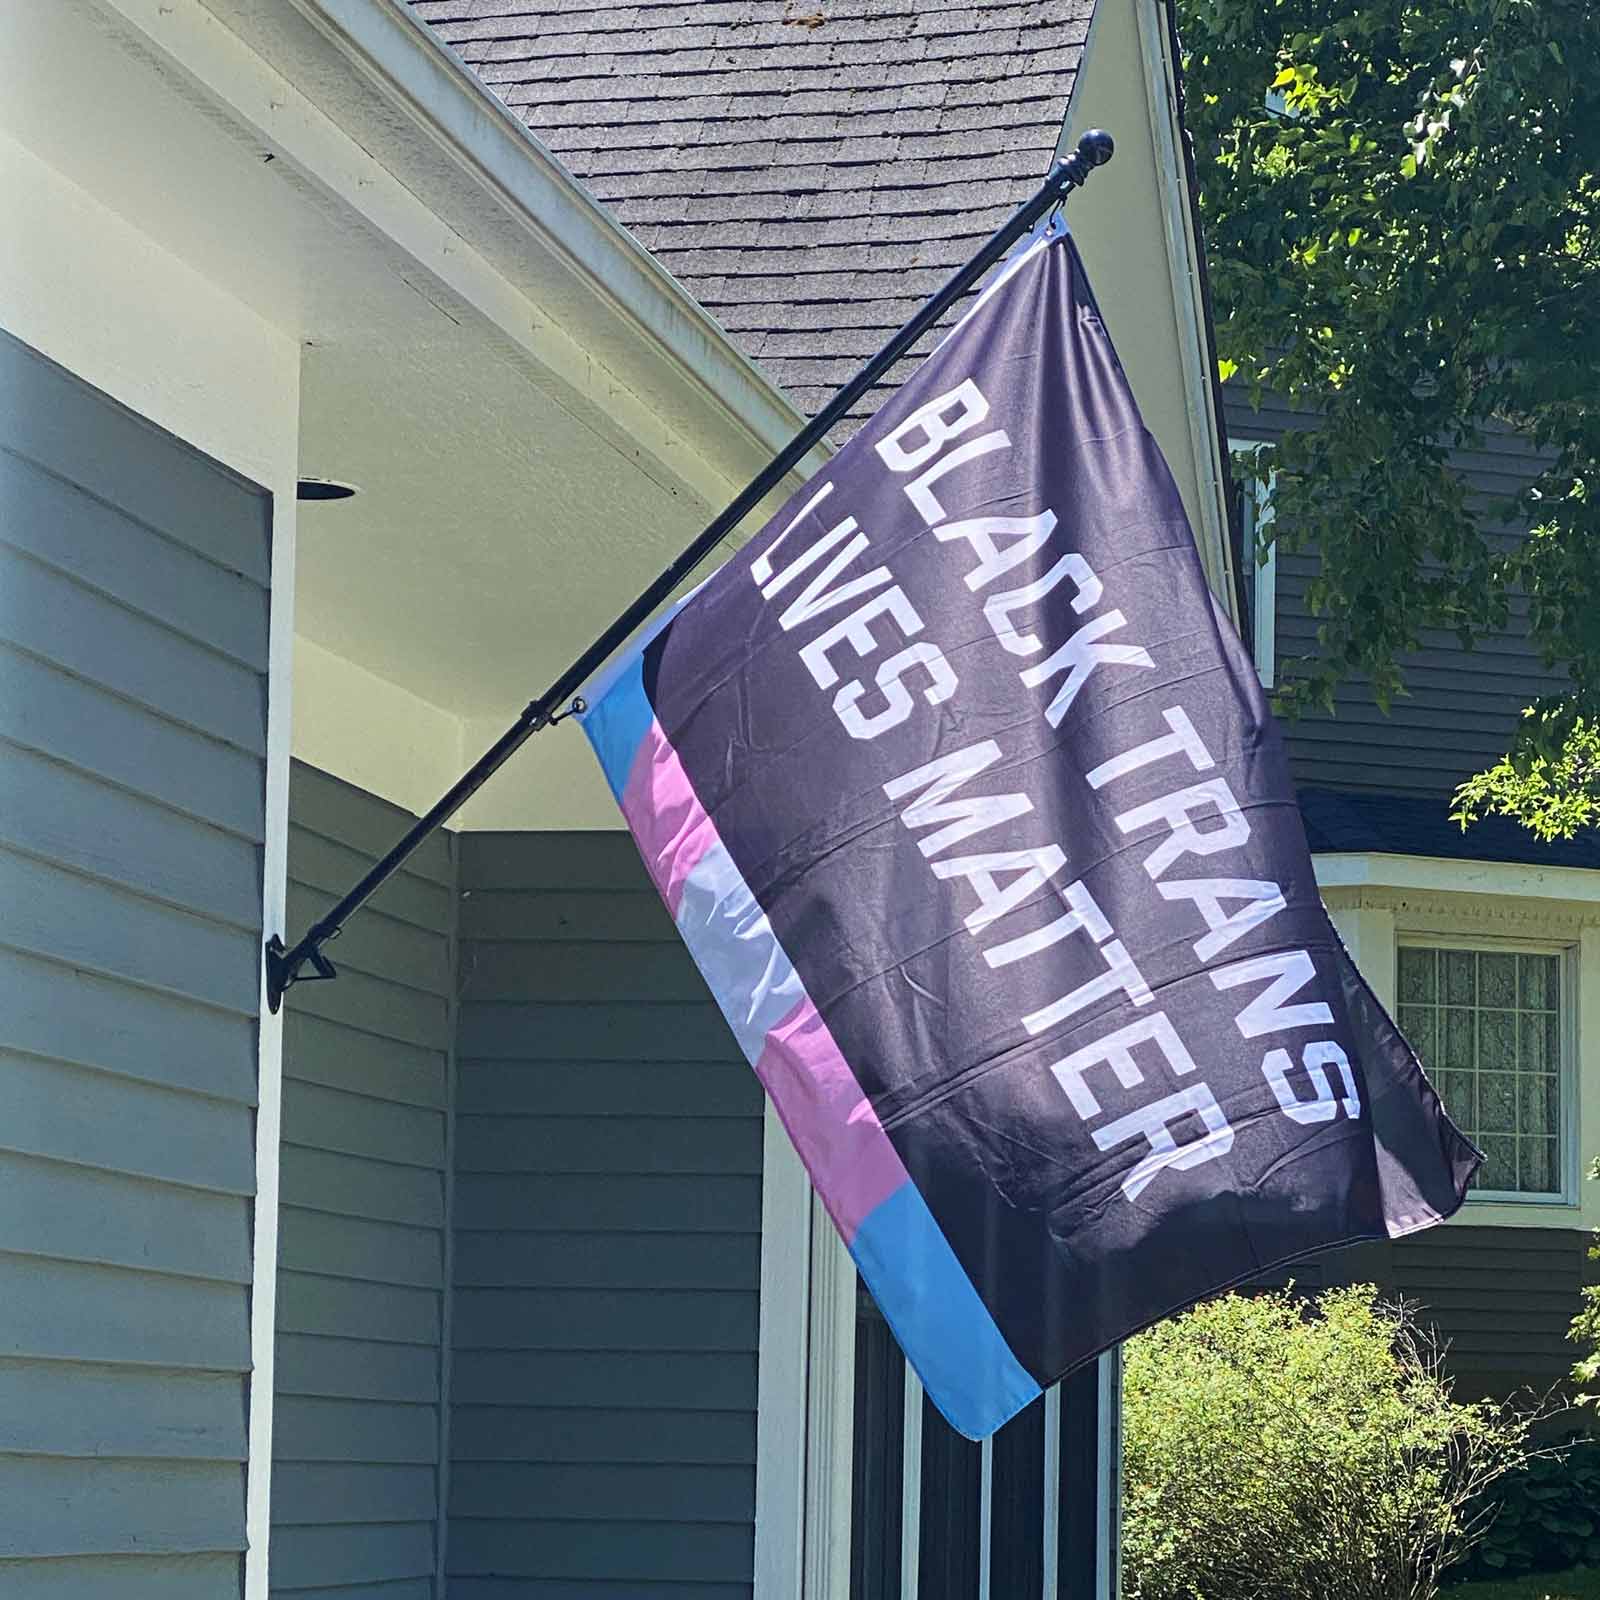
[811, 170]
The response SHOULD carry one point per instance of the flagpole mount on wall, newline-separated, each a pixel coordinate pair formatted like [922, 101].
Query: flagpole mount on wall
[286, 965]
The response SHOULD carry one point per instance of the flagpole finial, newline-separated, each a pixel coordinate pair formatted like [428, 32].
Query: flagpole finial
[1095, 148]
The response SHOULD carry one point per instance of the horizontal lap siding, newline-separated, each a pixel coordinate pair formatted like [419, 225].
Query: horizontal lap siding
[356, 1488]
[134, 577]
[1501, 1299]
[1462, 706]
[607, 1216]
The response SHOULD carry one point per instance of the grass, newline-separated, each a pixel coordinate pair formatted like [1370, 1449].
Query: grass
[1582, 1583]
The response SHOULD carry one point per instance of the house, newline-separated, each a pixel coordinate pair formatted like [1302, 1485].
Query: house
[1483, 945]
[479, 1271]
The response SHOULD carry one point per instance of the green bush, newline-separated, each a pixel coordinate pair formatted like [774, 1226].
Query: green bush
[1547, 1517]
[1277, 1448]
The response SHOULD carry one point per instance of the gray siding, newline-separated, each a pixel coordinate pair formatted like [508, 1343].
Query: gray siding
[1502, 1299]
[1463, 706]
[356, 1475]
[1499, 1300]
[608, 1211]
[134, 579]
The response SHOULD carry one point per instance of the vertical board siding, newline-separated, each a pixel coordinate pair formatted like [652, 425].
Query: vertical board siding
[134, 579]
[607, 1241]
[1462, 707]
[361, 1243]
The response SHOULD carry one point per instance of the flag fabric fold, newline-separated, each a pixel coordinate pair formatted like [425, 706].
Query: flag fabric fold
[964, 796]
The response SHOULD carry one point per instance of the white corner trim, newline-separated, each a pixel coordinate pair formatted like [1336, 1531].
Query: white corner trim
[830, 1423]
[1206, 428]
[269, 1070]
[911, 1486]
[1108, 1474]
[1358, 870]
[805, 1384]
[783, 1346]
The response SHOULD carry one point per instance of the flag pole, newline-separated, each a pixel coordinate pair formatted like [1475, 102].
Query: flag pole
[285, 965]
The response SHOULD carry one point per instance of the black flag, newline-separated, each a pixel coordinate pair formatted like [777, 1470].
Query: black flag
[965, 797]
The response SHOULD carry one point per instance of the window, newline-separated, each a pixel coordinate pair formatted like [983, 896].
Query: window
[1492, 1024]
[1255, 515]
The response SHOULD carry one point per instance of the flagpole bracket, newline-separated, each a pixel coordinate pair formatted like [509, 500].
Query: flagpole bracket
[284, 968]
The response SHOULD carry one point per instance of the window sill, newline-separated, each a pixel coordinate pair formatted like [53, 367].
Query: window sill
[1503, 1213]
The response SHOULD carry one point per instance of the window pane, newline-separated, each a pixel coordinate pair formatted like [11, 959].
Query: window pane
[1497, 979]
[1533, 1040]
[1497, 1102]
[1460, 971]
[1417, 1024]
[1497, 1041]
[1459, 1046]
[1418, 974]
[1486, 1025]
[1539, 974]
[1539, 1110]
[1460, 1098]
[1499, 1170]
[1539, 1174]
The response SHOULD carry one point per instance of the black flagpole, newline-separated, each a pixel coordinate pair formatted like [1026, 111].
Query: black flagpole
[284, 965]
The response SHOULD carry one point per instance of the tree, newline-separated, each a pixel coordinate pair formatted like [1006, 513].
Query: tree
[1400, 203]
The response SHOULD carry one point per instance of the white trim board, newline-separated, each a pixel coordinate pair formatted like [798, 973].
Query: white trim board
[783, 1348]
[1379, 870]
[1262, 575]
[269, 1070]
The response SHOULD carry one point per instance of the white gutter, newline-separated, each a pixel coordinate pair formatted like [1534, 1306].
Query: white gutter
[1376, 869]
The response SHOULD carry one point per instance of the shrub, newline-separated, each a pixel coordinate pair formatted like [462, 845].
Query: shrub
[1277, 1448]
[1585, 1327]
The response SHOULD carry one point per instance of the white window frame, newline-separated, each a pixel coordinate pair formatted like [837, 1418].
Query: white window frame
[1567, 1129]
[1377, 900]
[1263, 575]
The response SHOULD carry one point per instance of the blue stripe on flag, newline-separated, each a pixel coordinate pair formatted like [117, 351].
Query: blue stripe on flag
[944, 1328]
[617, 721]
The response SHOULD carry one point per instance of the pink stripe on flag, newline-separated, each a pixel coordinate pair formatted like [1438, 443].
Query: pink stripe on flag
[851, 1161]
[665, 815]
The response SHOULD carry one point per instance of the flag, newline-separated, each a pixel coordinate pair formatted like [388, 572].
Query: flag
[964, 796]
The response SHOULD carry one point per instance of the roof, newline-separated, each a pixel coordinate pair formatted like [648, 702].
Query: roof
[1408, 825]
[811, 170]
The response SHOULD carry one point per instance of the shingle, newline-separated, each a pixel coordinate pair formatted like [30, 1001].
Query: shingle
[809, 169]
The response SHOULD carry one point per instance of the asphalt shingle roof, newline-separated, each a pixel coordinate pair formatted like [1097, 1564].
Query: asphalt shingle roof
[1408, 825]
[810, 170]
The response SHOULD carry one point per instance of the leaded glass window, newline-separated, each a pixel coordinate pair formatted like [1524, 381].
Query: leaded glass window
[1488, 1026]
